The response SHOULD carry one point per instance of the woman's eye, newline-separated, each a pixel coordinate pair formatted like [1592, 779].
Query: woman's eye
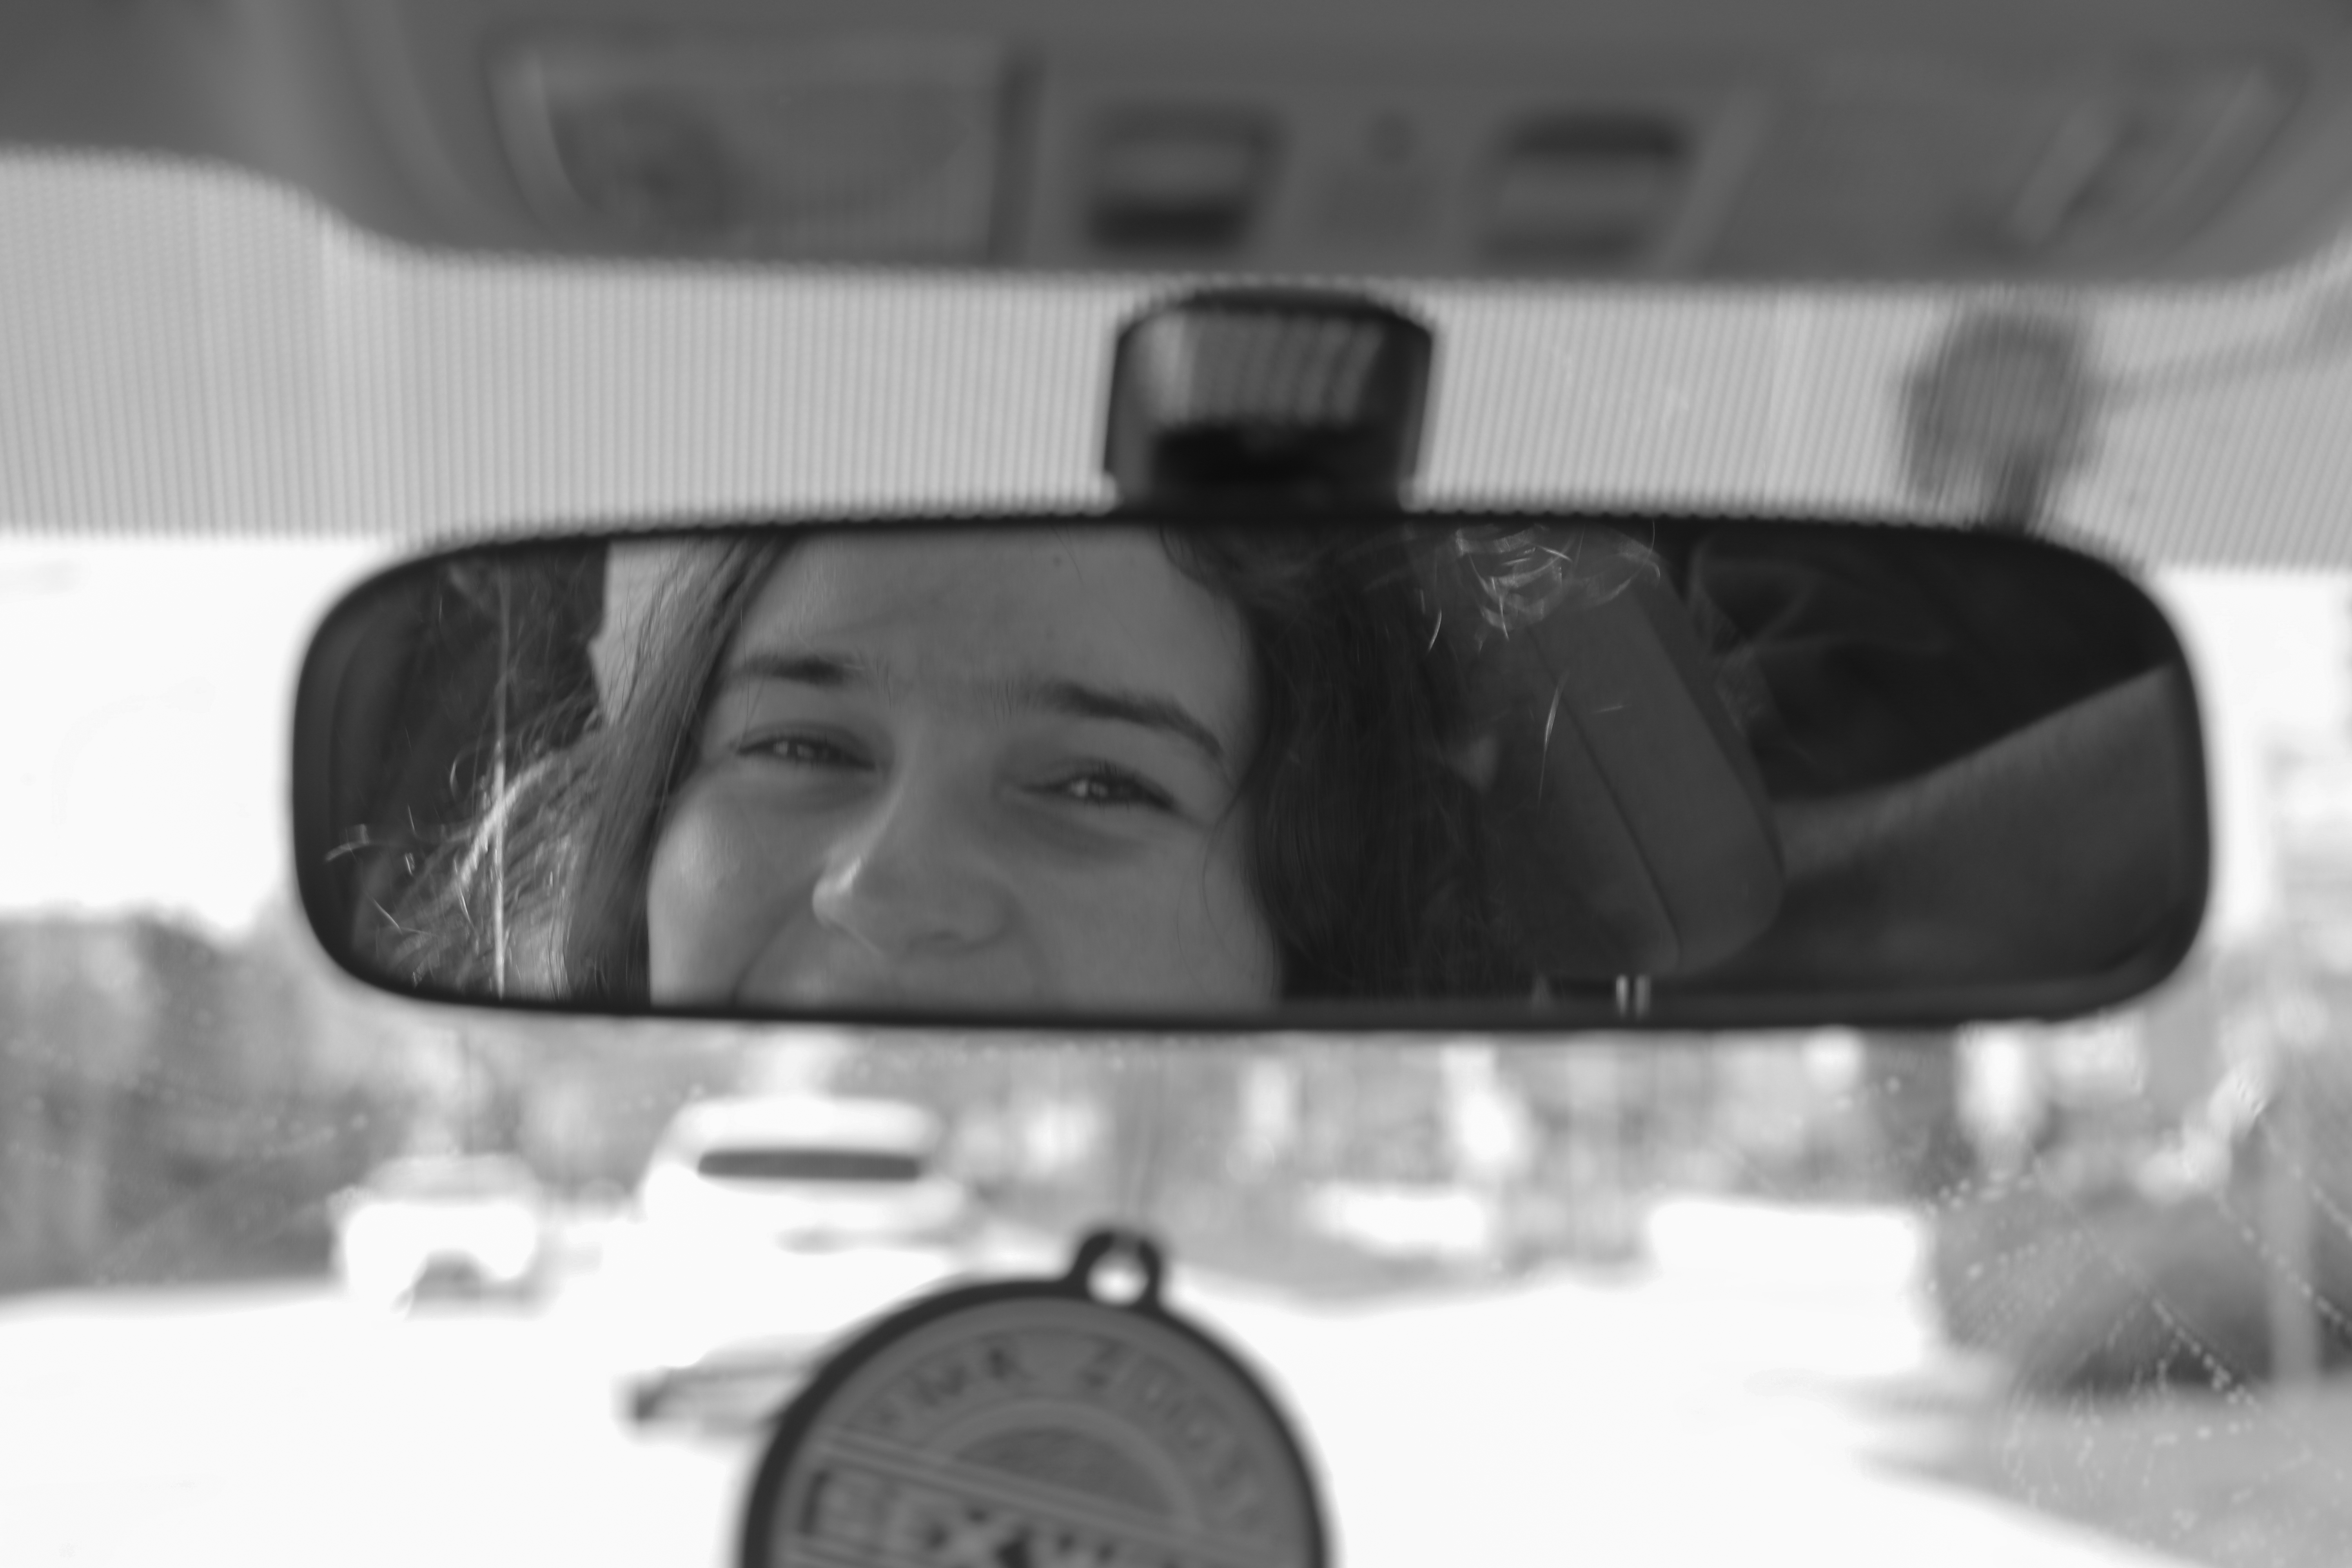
[800, 750]
[1110, 786]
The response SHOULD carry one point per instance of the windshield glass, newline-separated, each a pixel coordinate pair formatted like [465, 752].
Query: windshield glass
[451, 1179]
[2052, 1294]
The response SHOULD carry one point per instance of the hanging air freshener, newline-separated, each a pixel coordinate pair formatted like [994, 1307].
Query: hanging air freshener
[1031, 1423]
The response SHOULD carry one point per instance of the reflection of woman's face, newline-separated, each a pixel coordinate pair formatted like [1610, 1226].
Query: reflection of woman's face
[958, 769]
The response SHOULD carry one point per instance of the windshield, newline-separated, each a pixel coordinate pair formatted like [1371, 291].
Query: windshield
[453, 1179]
[2053, 1294]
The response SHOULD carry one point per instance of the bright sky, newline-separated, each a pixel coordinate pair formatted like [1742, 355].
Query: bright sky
[148, 706]
[148, 702]
[2273, 654]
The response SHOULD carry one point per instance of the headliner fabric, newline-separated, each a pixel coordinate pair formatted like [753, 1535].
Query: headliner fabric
[192, 350]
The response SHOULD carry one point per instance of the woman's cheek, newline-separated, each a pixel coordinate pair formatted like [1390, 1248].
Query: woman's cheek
[1179, 930]
[717, 888]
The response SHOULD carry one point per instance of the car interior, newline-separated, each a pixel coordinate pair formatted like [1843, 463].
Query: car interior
[1257, 783]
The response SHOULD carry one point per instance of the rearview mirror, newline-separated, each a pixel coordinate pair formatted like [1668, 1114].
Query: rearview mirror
[1492, 771]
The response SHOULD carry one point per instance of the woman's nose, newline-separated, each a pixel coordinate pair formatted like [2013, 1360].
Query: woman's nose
[911, 877]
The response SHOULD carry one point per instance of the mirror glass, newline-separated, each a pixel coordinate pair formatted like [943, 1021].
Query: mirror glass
[1416, 771]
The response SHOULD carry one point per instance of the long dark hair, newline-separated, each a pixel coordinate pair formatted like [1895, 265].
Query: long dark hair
[1361, 850]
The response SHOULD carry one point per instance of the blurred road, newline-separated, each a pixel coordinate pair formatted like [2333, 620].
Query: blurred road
[1726, 1406]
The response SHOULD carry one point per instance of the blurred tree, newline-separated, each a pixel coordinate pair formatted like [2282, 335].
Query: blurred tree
[166, 1110]
[1911, 1084]
[74, 1020]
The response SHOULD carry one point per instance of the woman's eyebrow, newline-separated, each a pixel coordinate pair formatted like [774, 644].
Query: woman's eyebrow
[830, 671]
[1072, 699]
[1080, 700]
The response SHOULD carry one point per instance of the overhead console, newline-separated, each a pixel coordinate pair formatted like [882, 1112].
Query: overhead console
[1748, 139]
[967, 151]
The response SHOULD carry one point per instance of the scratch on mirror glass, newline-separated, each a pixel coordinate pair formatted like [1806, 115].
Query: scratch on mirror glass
[1551, 717]
[1525, 577]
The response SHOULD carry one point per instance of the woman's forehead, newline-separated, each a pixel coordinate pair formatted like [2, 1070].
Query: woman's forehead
[926, 609]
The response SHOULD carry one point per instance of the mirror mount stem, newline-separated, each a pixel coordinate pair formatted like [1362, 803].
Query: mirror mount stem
[1302, 398]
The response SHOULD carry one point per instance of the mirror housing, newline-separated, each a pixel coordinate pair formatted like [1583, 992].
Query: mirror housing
[1699, 772]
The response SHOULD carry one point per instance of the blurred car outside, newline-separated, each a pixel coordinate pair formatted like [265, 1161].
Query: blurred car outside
[467, 1225]
[764, 1228]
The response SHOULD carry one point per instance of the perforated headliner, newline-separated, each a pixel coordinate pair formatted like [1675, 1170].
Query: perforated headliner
[195, 351]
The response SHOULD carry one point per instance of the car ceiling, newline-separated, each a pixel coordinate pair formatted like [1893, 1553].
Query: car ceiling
[1611, 140]
[302, 291]
[195, 351]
